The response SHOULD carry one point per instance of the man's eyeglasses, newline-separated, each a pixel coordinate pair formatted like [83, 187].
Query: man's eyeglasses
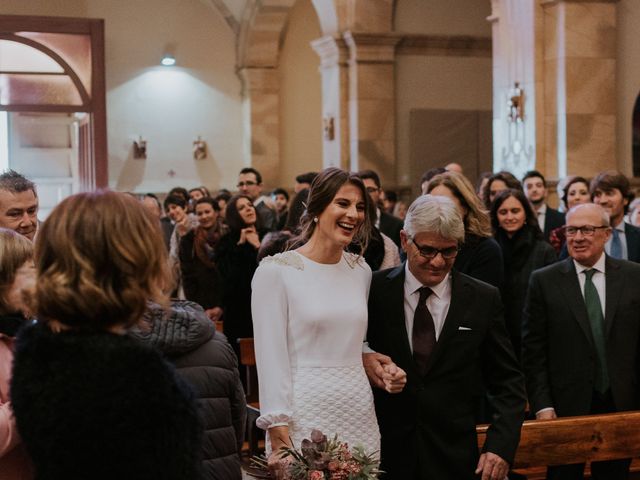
[430, 253]
[586, 230]
[248, 183]
[372, 189]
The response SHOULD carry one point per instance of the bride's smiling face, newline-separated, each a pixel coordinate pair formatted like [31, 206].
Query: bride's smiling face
[340, 220]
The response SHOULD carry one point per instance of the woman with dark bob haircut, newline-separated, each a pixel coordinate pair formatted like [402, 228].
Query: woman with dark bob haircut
[524, 250]
[310, 317]
[90, 401]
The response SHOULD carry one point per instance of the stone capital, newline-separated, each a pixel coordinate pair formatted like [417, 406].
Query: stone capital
[332, 51]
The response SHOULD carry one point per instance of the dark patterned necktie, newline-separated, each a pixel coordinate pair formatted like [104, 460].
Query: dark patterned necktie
[616, 245]
[423, 337]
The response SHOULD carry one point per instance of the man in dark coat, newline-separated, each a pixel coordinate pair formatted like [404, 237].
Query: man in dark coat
[446, 331]
[535, 189]
[581, 334]
[387, 224]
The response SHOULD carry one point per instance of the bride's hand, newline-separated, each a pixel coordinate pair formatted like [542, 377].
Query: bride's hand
[279, 466]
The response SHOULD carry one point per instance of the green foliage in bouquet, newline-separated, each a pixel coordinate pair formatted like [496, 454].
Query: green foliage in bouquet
[322, 459]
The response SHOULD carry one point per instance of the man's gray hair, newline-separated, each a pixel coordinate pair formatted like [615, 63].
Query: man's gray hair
[434, 214]
[604, 216]
[12, 181]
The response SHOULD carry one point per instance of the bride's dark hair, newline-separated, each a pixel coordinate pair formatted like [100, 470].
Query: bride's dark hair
[323, 189]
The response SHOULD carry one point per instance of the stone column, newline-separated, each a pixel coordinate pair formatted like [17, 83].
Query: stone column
[263, 120]
[333, 55]
[579, 78]
[372, 103]
[514, 106]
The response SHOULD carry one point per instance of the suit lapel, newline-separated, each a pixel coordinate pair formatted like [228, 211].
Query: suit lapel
[394, 306]
[575, 299]
[459, 291]
[613, 286]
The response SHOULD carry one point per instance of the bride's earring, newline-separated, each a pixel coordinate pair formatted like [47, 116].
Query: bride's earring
[315, 219]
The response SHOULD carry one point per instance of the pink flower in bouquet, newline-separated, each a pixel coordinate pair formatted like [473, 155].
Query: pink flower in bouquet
[316, 475]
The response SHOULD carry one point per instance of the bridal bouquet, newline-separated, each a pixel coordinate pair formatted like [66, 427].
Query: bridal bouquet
[322, 459]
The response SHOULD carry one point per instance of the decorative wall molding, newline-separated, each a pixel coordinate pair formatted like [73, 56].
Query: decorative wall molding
[444, 45]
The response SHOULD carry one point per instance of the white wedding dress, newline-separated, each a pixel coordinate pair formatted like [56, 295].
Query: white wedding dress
[309, 323]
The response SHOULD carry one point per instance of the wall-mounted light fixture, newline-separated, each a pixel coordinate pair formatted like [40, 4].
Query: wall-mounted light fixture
[140, 148]
[168, 60]
[516, 103]
[199, 149]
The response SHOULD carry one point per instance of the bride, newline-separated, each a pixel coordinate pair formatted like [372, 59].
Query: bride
[309, 310]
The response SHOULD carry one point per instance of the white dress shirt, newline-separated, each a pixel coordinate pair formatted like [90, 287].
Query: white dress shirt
[542, 214]
[437, 303]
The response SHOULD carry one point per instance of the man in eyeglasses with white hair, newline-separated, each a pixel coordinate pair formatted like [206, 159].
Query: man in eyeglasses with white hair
[446, 331]
[581, 331]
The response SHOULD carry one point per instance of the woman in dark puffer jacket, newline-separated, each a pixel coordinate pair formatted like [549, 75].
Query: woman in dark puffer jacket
[205, 360]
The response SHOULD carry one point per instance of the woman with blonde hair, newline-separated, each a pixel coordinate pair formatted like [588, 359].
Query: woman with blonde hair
[90, 401]
[480, 255]
[17, 276]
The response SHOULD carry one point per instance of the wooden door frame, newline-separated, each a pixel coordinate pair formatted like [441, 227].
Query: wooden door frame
[96, 105]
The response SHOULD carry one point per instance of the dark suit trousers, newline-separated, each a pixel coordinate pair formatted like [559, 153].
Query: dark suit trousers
[608, 470]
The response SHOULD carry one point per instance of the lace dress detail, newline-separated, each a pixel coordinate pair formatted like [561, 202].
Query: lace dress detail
[309, 325]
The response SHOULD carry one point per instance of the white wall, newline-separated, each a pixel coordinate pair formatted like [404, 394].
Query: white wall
[168, 107]
[627, 78]
[300, 96]
[447, 83]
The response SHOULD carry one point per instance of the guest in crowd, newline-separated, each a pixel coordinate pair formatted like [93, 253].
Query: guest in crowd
[454, 167]
[90, 401]
[581, 335]
[390, 200]
[612, 191]
[575, 192]
[17, 279]
[498, 182]
[381, 252]
[480, 255]
[153, 205]
[280, 199]
[200, 276]
[250, 185]
[481, 183]
[523, 250]
[183, 222]
[445, 330]
[634, 213]
[296, 210]
[236, 258]
[535, 189]
[304, 181]
[222, 198]
[400, 210]
[387, 224]
[204, 359]
[18, 204]
[427, 176]
[180, 192]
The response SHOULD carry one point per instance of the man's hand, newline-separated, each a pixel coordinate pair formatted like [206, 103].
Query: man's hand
[214, 314]
[383, 373]
[492, 467]
[549, 414]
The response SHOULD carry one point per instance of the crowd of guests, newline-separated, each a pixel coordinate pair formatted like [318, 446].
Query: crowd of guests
[102, 298]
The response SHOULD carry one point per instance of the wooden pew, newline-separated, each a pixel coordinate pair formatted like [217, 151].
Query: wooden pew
[575, 440]
[248, 361]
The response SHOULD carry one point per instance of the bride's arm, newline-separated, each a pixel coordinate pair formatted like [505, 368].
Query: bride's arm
[269, 307]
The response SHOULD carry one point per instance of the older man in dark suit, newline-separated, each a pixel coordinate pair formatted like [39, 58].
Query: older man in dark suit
[581, 334]
[446, 331]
